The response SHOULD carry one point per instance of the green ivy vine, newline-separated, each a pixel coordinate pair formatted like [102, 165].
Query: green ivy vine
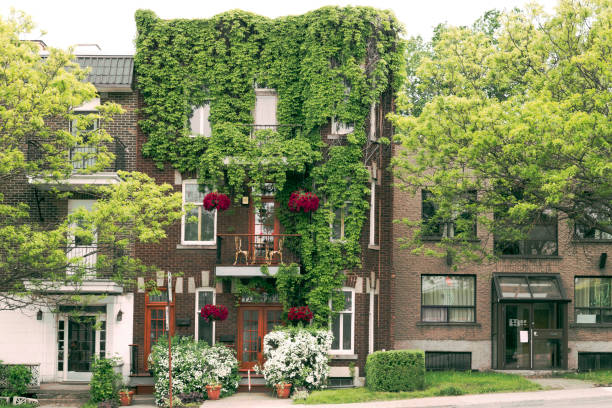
[331, 62]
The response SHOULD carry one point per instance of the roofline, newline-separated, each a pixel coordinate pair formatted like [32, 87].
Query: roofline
[105, 55]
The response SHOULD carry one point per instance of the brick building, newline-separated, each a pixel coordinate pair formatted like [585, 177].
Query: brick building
[544, 304]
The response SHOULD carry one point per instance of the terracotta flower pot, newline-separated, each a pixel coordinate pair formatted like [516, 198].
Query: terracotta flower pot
[125, 398]
[283, 390]
[213, 391]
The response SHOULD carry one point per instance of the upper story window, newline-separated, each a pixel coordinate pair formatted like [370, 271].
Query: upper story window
[436, 228]
[593, 304]
[343, 325]
[198, 122]
[448, 298]
[265, 108]
[339, 224]
[198, 227]
[541, 239]
[339, 128]
[83, 155]
[81, 246]
[582, 231]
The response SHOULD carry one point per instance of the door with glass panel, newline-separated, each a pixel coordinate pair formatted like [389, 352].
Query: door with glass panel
[254, 322]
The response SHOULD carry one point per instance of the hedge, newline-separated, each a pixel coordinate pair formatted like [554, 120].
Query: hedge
[398, 370]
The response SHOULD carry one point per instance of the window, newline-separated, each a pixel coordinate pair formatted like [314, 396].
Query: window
[204, 331]
[448, 298]
[592, 300]
[198, 122]
[373, 212]
[198, 227]
[339, 223]
[583, 231]
[155, 319]
[81, 155]
[81, 246]
[541, 239]
[343, 325]
[435, 228]
[340, 128]
[265, 107]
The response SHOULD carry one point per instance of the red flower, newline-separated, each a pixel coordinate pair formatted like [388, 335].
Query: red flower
[216, 200]
[301, 313]
[214, 312]
[306, 201]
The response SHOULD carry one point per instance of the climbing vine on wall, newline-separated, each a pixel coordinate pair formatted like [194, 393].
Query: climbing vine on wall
[329, 63]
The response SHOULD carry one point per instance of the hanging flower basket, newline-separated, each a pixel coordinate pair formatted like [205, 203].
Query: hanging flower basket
[303, 201]
[214, 312]
[300, 314]
[214, 200]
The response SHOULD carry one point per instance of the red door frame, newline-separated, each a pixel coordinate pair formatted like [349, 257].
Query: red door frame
[149, 306]
[261, 331]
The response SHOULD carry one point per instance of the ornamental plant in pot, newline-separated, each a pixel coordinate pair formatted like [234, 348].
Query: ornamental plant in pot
[213, 386]
[300, 314]
[214, 312]
[283, 389]
[216, 201]
[125, 397]
[303, 201]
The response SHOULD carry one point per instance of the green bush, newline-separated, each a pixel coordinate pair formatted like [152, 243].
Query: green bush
[398, 370]
[105, 382]
[17, 379]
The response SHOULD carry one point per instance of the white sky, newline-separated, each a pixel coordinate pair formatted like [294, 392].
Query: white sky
[110, 23]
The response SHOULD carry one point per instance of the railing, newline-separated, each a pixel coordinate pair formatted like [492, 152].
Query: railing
[34, 370]
[133, 358]
[291, 129]
[78, 155]
[257, 249]
[87, 261]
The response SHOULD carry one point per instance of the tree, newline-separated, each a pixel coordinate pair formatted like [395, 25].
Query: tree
[36, 258]
[517, 113]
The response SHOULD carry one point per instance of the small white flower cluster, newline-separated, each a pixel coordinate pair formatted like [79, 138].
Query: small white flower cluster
[194, 365]
[298, 356]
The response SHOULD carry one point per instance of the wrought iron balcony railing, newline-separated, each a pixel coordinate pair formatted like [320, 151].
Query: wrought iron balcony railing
[257, 249]
[78, 155]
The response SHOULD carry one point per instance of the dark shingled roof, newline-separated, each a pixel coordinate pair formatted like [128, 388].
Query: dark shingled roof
[109, 72]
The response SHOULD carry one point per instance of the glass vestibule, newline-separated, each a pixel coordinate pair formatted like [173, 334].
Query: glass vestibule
[529, 327]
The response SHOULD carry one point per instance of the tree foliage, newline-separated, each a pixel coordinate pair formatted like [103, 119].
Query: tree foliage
[35, 257]
[517, 110]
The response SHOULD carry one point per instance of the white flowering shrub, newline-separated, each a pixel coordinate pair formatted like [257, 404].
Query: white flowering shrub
[298, 356]
[194, 365]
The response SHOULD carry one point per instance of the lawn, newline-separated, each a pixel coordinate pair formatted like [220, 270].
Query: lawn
[436, 384]
[603, 377]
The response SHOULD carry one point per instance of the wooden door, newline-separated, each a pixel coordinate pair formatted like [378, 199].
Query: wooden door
[254, 322]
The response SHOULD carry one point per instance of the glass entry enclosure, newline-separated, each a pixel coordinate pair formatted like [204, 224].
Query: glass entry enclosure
[529, 329]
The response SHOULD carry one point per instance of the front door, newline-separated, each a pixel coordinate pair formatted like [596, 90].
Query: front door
[254, 322]
[81, 347]
[533, 335]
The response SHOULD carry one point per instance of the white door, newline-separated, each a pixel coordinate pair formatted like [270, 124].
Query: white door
[84, 338]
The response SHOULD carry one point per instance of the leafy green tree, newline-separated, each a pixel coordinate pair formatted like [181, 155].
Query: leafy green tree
[35, 257]
[517, 113]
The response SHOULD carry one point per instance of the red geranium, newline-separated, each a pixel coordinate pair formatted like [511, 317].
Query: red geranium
[214, 312]
[300, 314]
[303, 200]
[216, 200]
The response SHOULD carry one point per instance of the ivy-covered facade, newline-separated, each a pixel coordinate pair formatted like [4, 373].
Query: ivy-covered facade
[258, 109]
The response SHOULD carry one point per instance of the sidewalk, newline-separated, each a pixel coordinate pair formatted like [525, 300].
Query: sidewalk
[245, 400]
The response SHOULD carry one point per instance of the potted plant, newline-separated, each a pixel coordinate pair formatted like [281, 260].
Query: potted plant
[283, 389]
[215, 200]
[300, 314]
[303, 201]
[213, 386]
[125, 396]
[214, 312]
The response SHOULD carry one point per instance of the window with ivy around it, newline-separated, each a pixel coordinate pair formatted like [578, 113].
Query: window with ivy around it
[198, 226]
[338, 226]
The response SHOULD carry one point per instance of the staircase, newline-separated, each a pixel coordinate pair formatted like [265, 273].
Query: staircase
[63, 394]
[251, 382]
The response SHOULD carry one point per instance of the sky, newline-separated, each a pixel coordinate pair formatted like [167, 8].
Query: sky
[110, 23]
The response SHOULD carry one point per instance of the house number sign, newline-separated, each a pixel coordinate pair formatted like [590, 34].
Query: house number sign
[517, 322]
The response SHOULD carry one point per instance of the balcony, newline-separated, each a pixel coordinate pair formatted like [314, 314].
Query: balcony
[245, 254]
[284, 129]
[80, 163]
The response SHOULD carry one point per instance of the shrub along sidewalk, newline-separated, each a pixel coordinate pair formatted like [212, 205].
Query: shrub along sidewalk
[436, 384]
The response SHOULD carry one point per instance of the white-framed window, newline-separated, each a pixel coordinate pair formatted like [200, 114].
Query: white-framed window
[199, 121]
[373, 212]
[204, 331]
[82, 247]
[341, 129]
[82, 156]
[265, 107]
[198, 226]
[343, 325]
[338, 230]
